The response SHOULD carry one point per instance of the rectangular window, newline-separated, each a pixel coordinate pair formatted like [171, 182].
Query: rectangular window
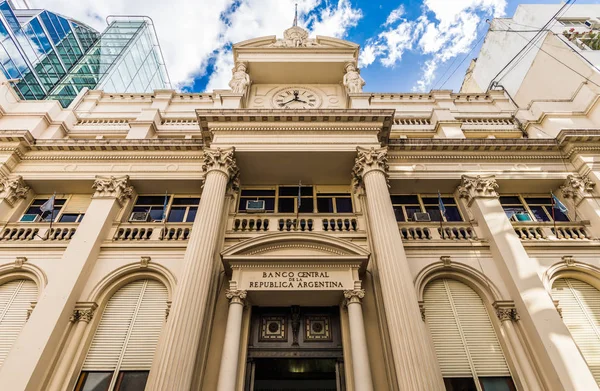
[284, 199]
[266, 195]
[530, 208]
[334, 203]
[152, 208]
[405, 207]
[34, 214]
[93, 381]
[100, 381]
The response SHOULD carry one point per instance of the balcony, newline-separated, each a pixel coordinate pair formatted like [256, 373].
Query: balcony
[326, 223]
[543, 231]
[430, 231]
[155, 231]
[37, 232]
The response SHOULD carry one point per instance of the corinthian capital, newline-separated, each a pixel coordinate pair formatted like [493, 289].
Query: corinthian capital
[236, 296]
[222, 160]
[83, 312]
[369, 159]
[13, 188]
[477, 187]
[577, 188]
[505, 310]
[113, 187]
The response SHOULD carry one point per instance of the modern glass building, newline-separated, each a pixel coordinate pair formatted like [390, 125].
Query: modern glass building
[126, 58]
[38, 48]
[48, 56]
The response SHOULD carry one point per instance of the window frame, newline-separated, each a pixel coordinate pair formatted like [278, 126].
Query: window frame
[58, 214]
[423, 206]
[316, 192]
[532, 216]
[168, 208]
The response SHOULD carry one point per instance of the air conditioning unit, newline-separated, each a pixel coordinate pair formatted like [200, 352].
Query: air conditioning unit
[421, 217]
[139, 216]
[593, 23]
[31, 218]
[255, 206]
[521, 216]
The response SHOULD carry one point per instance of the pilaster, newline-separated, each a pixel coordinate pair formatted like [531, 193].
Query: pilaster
[34, 349]
[414, 357]
[584, 200]
[559, 357]
[174, 363]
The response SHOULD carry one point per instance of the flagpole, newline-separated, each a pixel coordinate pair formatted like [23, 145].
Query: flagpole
[440, 203]
[553, 215]
[51, 215]
[299, 203]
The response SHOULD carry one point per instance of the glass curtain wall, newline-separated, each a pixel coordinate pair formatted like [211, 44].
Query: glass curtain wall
[126, 59]
[38, 48]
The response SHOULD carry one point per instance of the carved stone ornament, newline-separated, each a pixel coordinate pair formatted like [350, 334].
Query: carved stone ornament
[113, 187]
[144, 261]
[422, 310]
[353, 82]
[294, 37]
[236, 296]
[168, 310]
[222, 160]
[354, 296]
[83, 312]
[30, 310]
[19, 261]
[557, 306]
[13, 188]
[240, 80]
[446, 261]
[506, 311]
[369, 159]
[569, 260]
[477, 187]
[577, 188]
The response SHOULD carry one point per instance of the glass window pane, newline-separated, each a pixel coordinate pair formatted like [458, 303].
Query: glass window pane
[94, 381]
[156, 213]
[186, 201]
[405, 199]
[307, 205]
[151, 200]
[257, 193]
[452, 213]
[177, 214]
[497, 384]
[399, 213]
[191, 216]
[508, 200]
[434, 212]
[69, 218]
[538, 200]
[539, 213]
[132, 381]
[343, 205]
[411, 210]
[286, 205]
[460, 384]
[325, 205]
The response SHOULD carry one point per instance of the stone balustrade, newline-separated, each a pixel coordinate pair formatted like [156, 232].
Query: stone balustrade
[411, 231]
[303, 223]
[530, 231]
[38, 232]
[142, 232]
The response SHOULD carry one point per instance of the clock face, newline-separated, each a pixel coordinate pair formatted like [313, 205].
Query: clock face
[296, 98]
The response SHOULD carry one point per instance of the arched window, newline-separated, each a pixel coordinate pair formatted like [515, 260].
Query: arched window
[121, 352]
[15, 299]
[466, 345]
[580, 306]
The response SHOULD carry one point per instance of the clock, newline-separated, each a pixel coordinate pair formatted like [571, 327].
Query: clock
[296, 98]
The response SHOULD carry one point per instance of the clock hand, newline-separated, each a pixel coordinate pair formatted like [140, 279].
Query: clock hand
[298, 100]
[283, 104]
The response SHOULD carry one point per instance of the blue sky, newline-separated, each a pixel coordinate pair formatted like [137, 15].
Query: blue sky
[407, 45]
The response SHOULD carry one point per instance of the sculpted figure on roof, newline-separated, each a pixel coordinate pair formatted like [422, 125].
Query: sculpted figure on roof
[240, 80]
[352, 80]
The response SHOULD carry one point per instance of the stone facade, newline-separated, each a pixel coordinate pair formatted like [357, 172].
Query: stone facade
[365, 254]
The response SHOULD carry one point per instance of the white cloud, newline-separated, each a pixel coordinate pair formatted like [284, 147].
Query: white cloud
[395, 15]
[444, 30]
[194, 32]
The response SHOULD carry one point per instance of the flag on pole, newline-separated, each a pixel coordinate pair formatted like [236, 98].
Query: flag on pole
[556, 204]
[165, 207]
[299, 194]
[441, 205]
[48, 206]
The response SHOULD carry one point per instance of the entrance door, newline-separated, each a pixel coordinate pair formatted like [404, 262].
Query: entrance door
[314, 374]
[295, 349]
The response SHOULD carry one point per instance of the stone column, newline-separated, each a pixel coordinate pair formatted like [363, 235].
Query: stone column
[580, 191]
[358, 341]
[231, 346]
[174, 364]
[12, 190]
[32, 354]
[82, 316]
[414, 358]
[559, 356]
[507, 314]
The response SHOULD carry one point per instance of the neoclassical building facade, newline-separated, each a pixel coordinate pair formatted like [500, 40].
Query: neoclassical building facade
[296, 233]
